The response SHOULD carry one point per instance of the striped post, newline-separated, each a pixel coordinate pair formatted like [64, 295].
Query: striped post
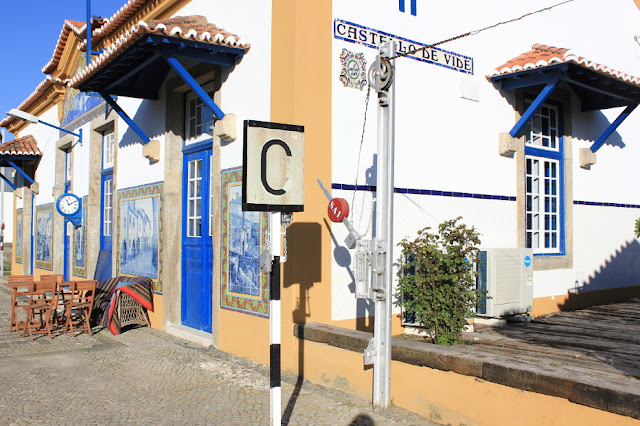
[275, 392]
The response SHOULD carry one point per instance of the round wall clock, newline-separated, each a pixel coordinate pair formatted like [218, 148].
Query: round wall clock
[69, 205]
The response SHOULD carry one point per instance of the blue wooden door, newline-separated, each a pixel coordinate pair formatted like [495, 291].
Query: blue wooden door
[197, 248]
[103, 267]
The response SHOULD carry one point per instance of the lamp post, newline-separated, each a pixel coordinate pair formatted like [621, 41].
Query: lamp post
[30, 118]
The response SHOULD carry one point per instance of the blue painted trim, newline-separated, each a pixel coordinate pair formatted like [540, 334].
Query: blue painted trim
[125, 117]
[19, 170]
[8, 181]
[546, 153]
[199, 146]
[612, 127]
[605, 204]
[433, 192]
[413, 7]
[204, 97]
[533, 77]
[540, 99]
[108, 171]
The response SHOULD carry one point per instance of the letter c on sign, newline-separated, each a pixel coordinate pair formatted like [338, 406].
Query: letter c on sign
[263, 165]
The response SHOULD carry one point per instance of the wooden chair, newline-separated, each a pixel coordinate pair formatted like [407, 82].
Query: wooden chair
[19, 285]
[80, 306]
[43, 299]
[52, 277]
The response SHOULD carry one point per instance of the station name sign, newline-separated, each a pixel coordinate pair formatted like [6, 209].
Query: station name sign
[354, 33]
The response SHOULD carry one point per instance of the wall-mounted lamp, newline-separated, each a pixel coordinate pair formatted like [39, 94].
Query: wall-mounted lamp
[30, 118]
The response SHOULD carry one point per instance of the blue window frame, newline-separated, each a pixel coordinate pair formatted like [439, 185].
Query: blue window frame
[107, 190]
[544, 181]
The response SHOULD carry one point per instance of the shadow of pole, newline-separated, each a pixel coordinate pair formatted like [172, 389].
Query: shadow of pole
[304, 243]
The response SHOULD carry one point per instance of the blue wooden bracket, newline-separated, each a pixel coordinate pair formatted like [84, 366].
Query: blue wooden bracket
[204, 97]
[19, 170]
[540, 99]
[612, 127]
[113, 104]
[8, 181]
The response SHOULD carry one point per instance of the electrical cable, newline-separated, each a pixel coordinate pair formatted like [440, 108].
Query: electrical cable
[366, 108]
[474, 32]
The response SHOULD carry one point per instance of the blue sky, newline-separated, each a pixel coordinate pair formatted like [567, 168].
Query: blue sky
[30, 31]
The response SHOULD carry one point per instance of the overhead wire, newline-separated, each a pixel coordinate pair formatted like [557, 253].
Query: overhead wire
[474, 32]
[414, 51]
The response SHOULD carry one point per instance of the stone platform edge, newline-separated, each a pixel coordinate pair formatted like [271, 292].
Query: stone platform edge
[502, 371]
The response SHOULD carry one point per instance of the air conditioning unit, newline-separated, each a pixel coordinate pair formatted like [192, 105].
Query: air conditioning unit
[506, 275]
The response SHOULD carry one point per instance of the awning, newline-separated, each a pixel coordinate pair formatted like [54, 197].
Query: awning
[596, 86]
[18, 154]
[136, 64]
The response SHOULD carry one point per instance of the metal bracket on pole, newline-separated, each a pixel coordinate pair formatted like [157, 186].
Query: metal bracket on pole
[370, 352]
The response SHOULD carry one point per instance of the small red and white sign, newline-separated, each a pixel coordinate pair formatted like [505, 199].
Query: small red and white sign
[338, 209]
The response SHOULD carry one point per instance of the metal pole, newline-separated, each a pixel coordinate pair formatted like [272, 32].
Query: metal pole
[88, 32]
[275, 391]
[383, 241]
[2, 227]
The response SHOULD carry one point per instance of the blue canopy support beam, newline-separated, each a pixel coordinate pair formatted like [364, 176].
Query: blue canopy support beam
[204, 97]
[19, 170]
[8, 181]
[612, 127]
[540, 99]
[113, 104]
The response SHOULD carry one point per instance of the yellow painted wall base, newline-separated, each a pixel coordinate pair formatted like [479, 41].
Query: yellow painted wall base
[565, 302]
[155, 316]
[447, 397]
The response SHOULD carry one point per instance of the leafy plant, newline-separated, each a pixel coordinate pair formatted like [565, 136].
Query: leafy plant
[438, 285]
[638, 227]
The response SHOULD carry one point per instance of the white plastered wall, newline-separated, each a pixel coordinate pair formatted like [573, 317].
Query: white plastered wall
[133, 169]
[445, 142]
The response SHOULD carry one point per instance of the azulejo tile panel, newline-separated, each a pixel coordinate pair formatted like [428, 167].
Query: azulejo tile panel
[353, 69]
[244, 288]
[140, 233]
[44, 237]
[79, 244]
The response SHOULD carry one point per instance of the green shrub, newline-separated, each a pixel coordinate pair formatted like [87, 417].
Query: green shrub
[638, 228]
[438, 286]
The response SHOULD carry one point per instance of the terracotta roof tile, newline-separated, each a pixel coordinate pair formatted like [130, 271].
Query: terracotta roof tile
[33, 97]
[79, 28]
[541, 56]
[114, 22]
[193, 27]
[25, 145]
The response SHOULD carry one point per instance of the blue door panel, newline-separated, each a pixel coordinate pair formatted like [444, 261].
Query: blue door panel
[197, 250]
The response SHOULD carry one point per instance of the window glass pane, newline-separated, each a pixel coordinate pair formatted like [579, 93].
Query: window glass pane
[541, 215]
[199, 117]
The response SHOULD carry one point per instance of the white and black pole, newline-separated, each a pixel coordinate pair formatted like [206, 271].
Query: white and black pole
[275, 391]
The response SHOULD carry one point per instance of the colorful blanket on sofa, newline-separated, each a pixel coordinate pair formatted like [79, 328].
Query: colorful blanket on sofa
[107, 293]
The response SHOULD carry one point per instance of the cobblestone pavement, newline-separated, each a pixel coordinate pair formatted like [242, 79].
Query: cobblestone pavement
[145, 376]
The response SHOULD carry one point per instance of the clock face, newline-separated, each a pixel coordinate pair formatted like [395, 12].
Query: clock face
[68, 204]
